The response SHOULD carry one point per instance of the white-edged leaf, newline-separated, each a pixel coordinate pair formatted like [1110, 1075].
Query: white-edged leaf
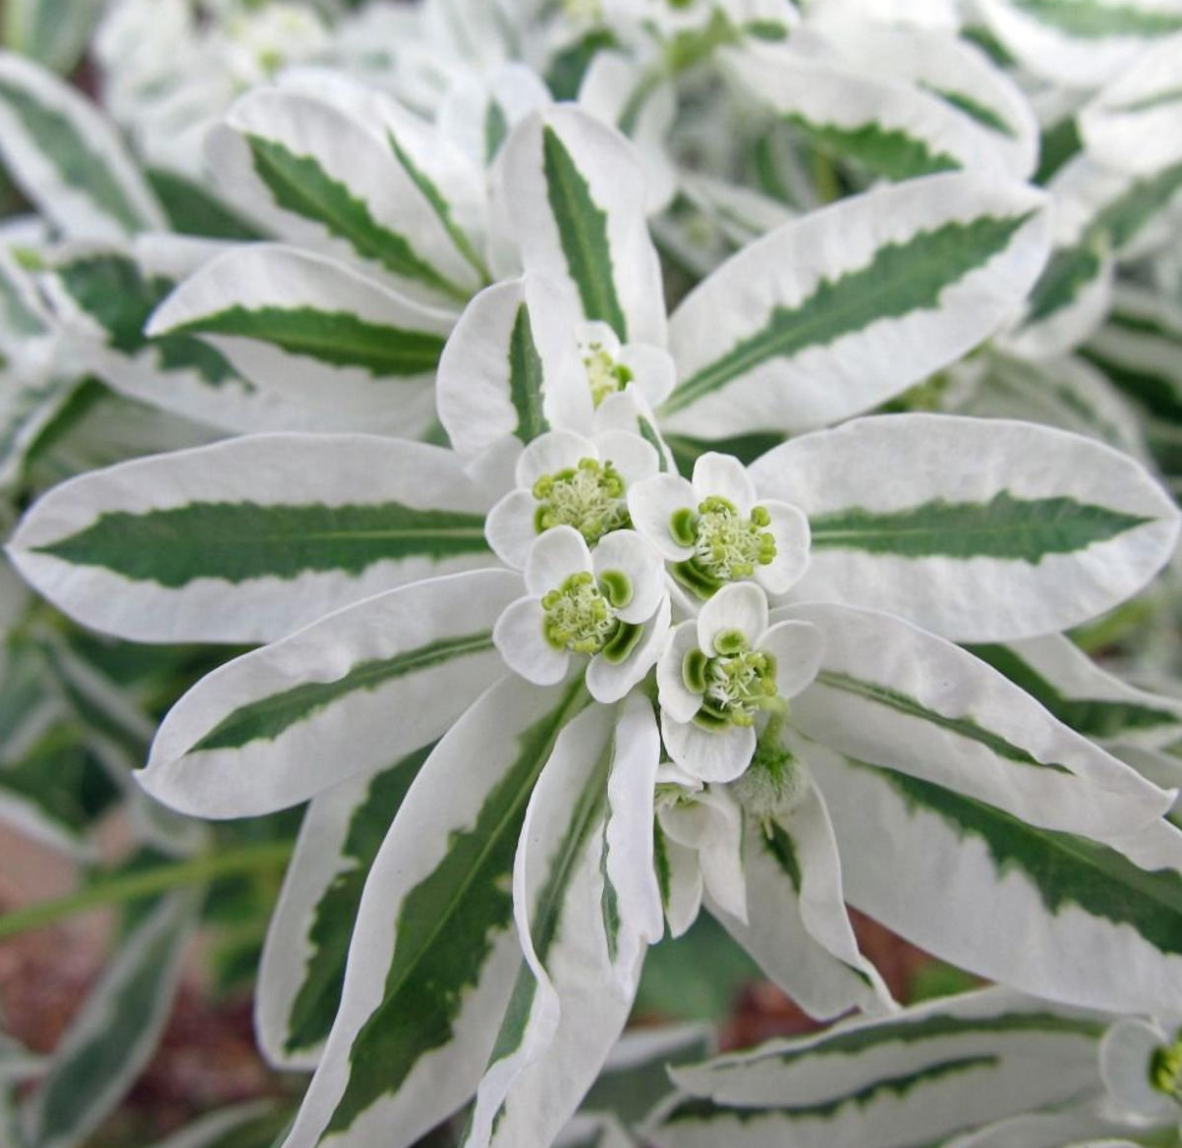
[247, 539]
[797, 929]
[908, 279]
[253, 1124]
[322, 178]
[383, 677]
[1079, 43]
[1066, 392]
[303, 963]
[314, 331]
[1102, 707]
[883, 695]
[28, 404]
[52, 32]
[1135, 123]
[434, 953]
[998, 897]
[909, 1079]
[572, 995]
[977, 529]
[67, 157]
[575, 197]
[113, 1036]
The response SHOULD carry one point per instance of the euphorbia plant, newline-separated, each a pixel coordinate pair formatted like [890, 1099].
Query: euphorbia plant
[635, 692]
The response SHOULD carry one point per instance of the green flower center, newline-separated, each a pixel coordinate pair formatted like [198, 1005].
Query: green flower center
[580, 616]
[605, 376]
[589, 497]
[1165, 1070]
[728, 546]
[735, 685]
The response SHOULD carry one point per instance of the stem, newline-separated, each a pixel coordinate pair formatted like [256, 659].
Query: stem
[135, 886]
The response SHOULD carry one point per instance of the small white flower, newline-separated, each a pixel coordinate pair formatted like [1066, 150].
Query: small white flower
[723, 672]
[716, 531]
[1141, 1066]
[610, 606]
[611, 368]
[566, 479]
[704, 848]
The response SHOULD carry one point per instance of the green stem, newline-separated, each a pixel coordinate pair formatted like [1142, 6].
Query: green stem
[145, 883]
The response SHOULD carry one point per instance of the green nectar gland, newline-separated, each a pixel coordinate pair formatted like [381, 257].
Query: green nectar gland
[580, 616]
[728, 546]
[589, 497]
[1165, 1069]
[736, 684]
[605, 376]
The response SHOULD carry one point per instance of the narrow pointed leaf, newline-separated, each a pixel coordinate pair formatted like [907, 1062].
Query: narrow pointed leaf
[385, 677]
[303, 965]
[575, 197]
[435, 954]
[912, 277]
[977, 529]
[248, 539]
[999, 897]
[313, 331]
[882, 694]
[67, 158]
[114, 1035]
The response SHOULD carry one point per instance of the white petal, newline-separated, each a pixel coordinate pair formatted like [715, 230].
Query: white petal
[798, 648]
[608, 681]
[685, 888]
[725, 476]
[676, 699]
[556, 554]
[653, 371]
[652, 503]
[634, 458]
[721, 854]
[789, 526]
[553, 451]
[712, 755]
[740, 606]
[510, 528]
[1126, 1053]
[628, 552]
[519, 636]
[598, 335]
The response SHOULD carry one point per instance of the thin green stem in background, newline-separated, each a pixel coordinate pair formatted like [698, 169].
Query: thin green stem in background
[146, 883]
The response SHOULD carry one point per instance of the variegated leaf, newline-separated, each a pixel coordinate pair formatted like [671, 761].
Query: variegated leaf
[1079, 43]
[67, 157]
[253, 1124]
[52, 32]
[912, 277]
[322, 178]
[434, 954]
[303, 965]
[314, 332]
[998, 896]
[384, 677]
[980, 530]
[574, 194]
[1135, 123]
[1061, 677]
[909, 1079]
[115, 1033]
[250, 538]
[883, 695]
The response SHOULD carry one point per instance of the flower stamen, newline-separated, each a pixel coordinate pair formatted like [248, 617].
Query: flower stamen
[735, 685]
[728, 546]
[580, 616]
[605, 376]
[589, 497]
[1165, 1069]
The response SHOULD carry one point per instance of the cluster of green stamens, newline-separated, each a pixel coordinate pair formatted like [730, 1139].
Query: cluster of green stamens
[1165, 1069]
[589, 497]
[604, 375]
[734, 685]
[728, 546]
[580, 616]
